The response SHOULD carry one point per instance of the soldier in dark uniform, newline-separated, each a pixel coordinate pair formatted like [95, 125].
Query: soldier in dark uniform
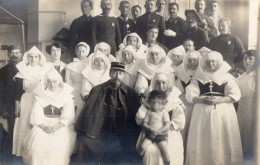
[150, 18]
[8, 90]
[195, 33]
[126, 24]
[80, 28]
[106, 124]
[176, 27]
[105, 28]
[206, 23]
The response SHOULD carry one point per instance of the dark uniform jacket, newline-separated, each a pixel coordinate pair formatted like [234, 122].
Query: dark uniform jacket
[126, 27]
[91, 119]
[179, 26]
[80, 31]
[229, 46]
[150, 19]
[106, 29]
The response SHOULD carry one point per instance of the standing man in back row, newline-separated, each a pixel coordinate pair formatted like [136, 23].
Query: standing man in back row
[126, 24]
[150, 18]
[105, 28]
[176, 27]
[80, 28]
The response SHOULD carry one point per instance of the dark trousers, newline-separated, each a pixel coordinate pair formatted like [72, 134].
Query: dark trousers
[109, 148]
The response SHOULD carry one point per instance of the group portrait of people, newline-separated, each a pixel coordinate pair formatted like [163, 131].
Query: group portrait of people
[141, 88]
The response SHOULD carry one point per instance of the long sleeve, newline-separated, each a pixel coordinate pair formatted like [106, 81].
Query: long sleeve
[183, 29]
[73, 36]
[178, 116]
[67, 77]
[141, 83]
[192, 90]
[203, 40]
[93, 32]
[140, 115]
[68, 113]
[118, 35]
[19, 88]
[86, 87]
[232, 90]
[239, 49]
[37, 114]
[162, 28]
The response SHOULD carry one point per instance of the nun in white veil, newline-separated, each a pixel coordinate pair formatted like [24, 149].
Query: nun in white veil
[31, 72]
[52, 137]
[174, 106]
[214, 136]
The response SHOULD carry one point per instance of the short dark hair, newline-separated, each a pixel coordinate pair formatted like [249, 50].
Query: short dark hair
[124, 1]
[152, 27]
[157, 94]
[57, 45]
[136, 6]
[89, 1]
[174, 4]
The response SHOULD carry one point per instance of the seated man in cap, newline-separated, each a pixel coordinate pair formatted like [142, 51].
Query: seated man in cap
[106, 125]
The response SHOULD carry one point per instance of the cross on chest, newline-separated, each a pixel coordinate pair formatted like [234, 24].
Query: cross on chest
[211, 86]
[52, 110]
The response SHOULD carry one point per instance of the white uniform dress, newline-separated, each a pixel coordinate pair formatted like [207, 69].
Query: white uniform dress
[31, 76]
[74, 79]
[214, 137]
[246, 112]
[50, 108]
[152, 155]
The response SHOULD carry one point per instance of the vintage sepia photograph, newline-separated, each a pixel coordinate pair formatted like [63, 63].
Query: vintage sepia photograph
[129, 82]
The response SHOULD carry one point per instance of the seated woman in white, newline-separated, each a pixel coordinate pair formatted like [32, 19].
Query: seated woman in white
[55, 50]
[52, 137]
[137, 43]
[95, 73]
[105, 49]
[132, 64]
[155, 62]
[174, 106]
[73, 74]
[31, 72]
